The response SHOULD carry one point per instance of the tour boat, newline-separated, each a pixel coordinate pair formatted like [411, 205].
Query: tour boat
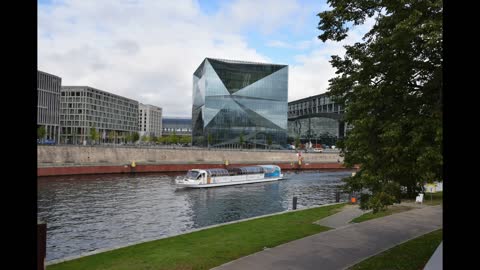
[198, 178]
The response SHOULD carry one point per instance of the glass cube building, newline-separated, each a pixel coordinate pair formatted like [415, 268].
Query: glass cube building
[239, 104]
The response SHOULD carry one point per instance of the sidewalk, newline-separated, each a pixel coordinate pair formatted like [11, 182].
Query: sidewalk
[345, 246]
[342, 218]
[436, 261]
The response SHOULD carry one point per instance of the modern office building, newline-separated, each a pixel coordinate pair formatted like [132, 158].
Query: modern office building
[181, 126]
[150, 120]
[84, 107]
[315, 117]
[48, 104]
[236, 101]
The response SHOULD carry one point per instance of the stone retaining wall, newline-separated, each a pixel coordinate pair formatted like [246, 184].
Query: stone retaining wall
[61, 155]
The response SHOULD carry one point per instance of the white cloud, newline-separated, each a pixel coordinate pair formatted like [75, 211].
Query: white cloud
[145, 51]
[299, 45]
[310, 75]
[148, 50]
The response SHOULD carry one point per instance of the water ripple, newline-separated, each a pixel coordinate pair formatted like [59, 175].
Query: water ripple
[85, 213]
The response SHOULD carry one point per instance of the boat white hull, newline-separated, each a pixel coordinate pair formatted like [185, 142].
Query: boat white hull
[193, 185]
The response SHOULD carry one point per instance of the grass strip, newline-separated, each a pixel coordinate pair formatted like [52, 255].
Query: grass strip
[433, 198]
[428, 199]
[411, 255]
[211, 247]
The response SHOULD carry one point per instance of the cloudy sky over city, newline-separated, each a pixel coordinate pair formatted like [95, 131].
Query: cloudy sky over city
[147, 50]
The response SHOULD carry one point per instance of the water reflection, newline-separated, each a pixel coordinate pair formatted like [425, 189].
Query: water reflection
[85, 213]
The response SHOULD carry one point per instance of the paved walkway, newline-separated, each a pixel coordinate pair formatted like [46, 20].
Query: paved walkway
[436, 261]
[342, 218]
[343, 247]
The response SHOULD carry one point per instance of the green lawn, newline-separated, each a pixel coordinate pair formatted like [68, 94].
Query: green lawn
[433, 198]
[211, 247]
[428, 199]
[411, 255]
[390, 210]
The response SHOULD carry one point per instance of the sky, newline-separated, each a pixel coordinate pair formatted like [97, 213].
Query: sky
[147, 50]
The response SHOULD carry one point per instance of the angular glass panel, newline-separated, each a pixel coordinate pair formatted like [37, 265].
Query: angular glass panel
[240, 101]
[236, 75]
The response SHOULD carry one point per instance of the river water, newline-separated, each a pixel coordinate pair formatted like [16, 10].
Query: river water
[85, 213]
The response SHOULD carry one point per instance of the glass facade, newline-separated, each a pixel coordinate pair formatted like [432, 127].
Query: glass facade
[315, 117]
[181, 126]
[237, 101]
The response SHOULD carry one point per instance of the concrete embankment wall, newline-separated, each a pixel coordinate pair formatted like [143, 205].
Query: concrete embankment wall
[62, 160]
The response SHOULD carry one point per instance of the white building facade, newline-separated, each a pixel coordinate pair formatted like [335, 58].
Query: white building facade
[83, 108]
[149, 120]
[48, 104]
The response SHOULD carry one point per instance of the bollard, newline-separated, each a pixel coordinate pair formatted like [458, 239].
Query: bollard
[294, 203]
[41, 245]
[132, 166]
[337, 196]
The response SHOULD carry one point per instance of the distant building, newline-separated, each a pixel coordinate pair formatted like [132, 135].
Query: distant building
[150, 120]
[48, 104]
[181, 126]
[237, 101]
[314, 117]
[84, 107]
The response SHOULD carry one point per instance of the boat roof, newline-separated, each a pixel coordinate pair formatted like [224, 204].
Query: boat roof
[243, 170]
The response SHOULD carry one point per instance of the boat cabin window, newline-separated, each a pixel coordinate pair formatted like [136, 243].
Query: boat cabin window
[193, 174]
[217, 172]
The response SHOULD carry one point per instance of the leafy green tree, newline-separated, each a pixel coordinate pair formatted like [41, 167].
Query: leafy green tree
[297, 141]
[94, 135]
[128, 137]
[135, 136]
[185, 139]
[391, 85]
[210, 138]
[161, 140]
[168, 139]
[111, 136]
[269, 141]
[41, 132]
[175, 138]
[241, 140]
[145, 138]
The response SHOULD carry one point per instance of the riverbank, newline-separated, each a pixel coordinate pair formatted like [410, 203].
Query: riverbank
[68, 154]
[74, 160]
[345, 246]
[209, 247]
[79, 169]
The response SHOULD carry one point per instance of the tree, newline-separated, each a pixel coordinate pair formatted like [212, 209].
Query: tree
[210, 138]
[269, 141]
[185, 139]
[391, 85]
[145, 138]
[128, 137]
[111, 136]
[41, 132]
[153, 138]
[241, 140]
[174, 138]
[135, 136]
[297, 141]
[162, 140]
[94, 134]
